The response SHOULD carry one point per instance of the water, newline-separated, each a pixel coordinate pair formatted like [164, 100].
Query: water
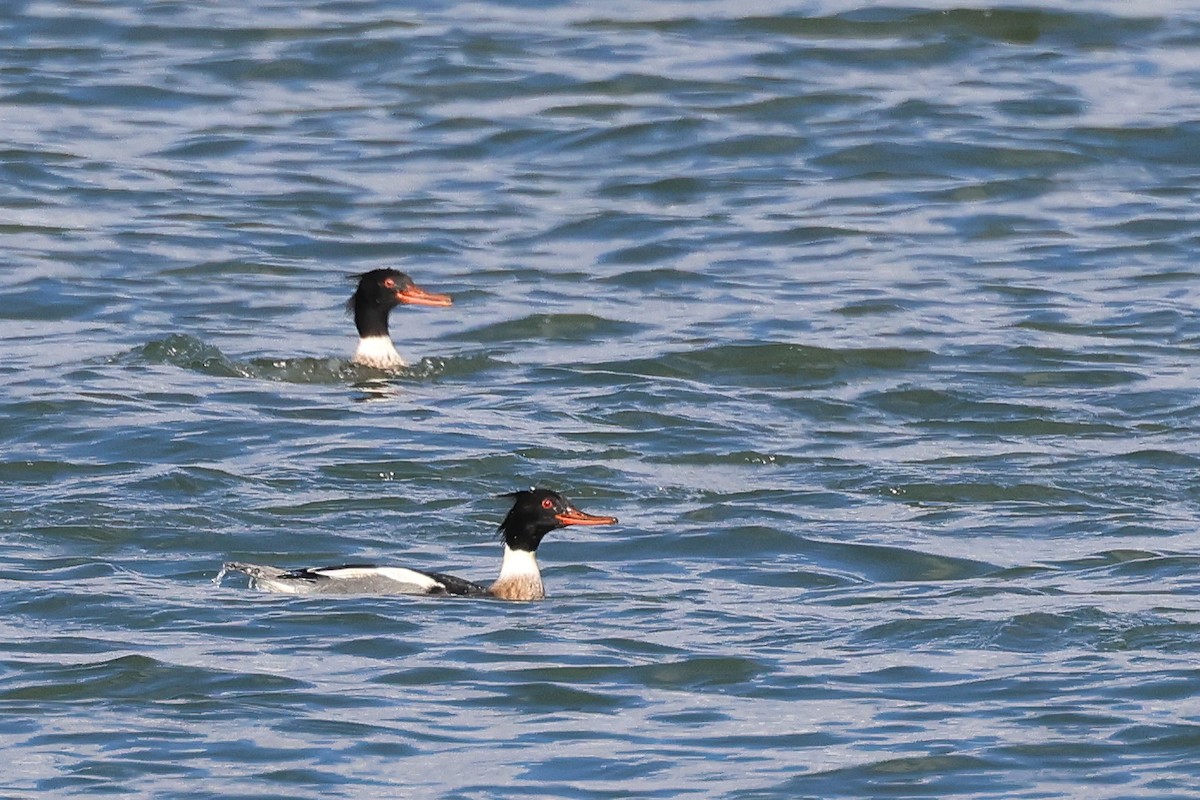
[874, 324]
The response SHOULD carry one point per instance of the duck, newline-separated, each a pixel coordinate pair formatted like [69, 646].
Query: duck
[535, 512]
[378, 292]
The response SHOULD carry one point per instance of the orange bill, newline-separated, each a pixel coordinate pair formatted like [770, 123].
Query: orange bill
[573, 516]
[416, 296]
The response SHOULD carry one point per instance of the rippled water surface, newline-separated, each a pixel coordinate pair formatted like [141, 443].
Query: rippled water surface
[875, 324]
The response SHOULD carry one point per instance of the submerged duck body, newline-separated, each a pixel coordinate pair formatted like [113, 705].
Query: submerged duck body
[535, 513]
[378, 292]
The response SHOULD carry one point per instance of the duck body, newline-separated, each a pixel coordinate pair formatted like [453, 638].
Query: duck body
[535, 513]
[378, 292]
[355, 579]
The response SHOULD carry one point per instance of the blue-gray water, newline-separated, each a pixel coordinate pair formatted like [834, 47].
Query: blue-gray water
[875, 324]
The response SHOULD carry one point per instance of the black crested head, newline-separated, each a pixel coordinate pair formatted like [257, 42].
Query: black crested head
[536, 512]
[374, 299]
[381, 290]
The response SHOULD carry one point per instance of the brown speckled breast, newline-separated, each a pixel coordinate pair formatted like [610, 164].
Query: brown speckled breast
[523, 588]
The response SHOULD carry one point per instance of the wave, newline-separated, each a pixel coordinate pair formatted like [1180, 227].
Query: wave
[190, 353]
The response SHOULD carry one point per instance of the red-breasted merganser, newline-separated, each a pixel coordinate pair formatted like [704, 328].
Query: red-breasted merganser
[378, 292]
[535, 513]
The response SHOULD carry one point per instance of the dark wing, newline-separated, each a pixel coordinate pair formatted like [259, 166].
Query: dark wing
[458, 586]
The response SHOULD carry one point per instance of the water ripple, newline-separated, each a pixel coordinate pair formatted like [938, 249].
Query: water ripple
[873, 325]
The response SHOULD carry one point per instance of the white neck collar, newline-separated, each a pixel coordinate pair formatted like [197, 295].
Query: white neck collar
[378, 352]
[519, 578]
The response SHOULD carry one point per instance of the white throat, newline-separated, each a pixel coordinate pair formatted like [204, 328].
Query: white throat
[519, 565]
[378, 352]
[519, 577]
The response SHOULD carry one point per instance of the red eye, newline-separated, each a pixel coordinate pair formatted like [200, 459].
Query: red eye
[547, 503]
[389, 283]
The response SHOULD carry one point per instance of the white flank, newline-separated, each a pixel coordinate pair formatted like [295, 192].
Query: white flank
[408, 577]
[279, 587]
[378, 352]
